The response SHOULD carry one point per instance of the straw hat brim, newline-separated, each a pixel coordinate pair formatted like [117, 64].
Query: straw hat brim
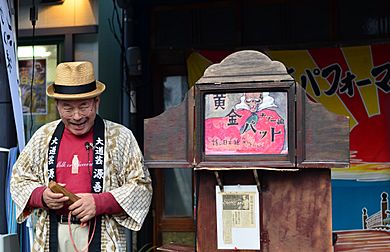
[100, 87]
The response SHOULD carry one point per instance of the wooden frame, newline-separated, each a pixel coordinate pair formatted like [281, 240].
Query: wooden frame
[162, 151]
[250, 157]
[162, 223]
[65, 33]
[321, 143]
[168, 152]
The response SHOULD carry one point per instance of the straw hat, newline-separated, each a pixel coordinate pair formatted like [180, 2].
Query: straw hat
[75, 81]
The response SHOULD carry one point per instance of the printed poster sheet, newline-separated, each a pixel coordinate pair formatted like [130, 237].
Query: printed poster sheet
[238, 225]
[38, 104]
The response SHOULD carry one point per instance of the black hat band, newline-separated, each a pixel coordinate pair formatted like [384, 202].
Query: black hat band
[80, 89]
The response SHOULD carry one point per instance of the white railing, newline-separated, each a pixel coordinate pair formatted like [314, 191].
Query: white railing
[374, 220]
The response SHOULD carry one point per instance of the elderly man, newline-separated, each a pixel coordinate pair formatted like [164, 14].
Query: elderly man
[96, 159]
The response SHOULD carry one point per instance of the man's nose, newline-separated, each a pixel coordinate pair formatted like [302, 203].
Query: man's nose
[77, 115]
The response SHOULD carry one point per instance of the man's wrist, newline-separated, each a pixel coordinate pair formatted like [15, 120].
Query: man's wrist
[105, 203]
[36, 198]
[44, 203]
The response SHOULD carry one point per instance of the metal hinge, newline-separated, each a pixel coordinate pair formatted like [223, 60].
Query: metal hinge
[264, 237]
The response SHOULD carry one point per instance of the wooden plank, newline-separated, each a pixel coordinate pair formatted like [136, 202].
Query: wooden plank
[245, 66]
[176, 248]
[206, 223]
[323, 136]
[85, 29]
[239, 79]
[358, 240]
[297, 210]
[168, 137]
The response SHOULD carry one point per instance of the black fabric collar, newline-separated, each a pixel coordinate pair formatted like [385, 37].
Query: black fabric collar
[96, 180]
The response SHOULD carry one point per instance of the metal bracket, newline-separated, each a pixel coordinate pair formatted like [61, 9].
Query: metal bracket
[264, 237]
[256, 175]
[218, 181]
[4, 149]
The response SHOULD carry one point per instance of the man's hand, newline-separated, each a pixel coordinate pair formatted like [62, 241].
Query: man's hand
[84, 209]
[53, 200]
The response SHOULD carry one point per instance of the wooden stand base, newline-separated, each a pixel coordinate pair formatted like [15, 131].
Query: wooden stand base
[295, 209]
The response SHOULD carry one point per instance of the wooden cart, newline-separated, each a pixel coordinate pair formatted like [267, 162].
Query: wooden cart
[285, 145]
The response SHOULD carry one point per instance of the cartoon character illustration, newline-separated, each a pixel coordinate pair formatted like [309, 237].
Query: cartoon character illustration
[254, 102]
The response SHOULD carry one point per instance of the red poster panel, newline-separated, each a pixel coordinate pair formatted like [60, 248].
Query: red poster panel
[246, 123]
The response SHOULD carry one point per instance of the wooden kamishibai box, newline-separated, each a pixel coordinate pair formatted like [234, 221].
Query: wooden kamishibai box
[247, 122]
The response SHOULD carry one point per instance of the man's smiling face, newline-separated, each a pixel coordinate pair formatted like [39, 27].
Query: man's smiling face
[78, 116]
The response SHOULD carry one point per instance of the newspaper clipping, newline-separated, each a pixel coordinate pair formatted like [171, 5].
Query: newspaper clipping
[238, 214]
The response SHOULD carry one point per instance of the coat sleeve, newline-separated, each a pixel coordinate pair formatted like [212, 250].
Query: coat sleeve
[134, 191]
[28, 173]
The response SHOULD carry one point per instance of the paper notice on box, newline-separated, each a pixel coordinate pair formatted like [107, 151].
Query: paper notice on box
[238, 225]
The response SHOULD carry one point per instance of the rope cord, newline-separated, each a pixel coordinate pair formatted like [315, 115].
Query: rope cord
[71, 235]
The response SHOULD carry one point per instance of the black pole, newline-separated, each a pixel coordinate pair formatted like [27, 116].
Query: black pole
[129, 23]
[125, 78]
[128, 114]
[129, 96]
[131, 76]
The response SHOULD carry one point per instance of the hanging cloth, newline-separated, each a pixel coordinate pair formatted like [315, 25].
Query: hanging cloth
[9, 204]
[13, 227]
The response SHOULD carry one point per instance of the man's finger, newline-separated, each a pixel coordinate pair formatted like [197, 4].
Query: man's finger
[83, 215]
[84, 224]
[81, 195]
[54, 195]
[85, 219]
[63, 199]
[58, 200]
[75, 205]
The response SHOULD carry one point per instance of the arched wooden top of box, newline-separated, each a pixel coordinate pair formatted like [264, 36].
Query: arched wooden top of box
[320, 138]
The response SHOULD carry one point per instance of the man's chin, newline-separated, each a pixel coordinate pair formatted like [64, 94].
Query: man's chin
[78, 130]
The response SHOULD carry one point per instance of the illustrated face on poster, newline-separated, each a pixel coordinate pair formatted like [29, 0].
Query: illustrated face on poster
[246, 123]
[39, 99]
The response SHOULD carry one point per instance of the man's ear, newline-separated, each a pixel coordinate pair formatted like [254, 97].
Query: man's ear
[56, 100]
[97, 102]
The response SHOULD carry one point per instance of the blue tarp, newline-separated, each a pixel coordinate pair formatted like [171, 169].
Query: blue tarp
[12, 227]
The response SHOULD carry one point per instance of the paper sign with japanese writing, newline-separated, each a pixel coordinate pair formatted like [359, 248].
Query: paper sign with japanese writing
[246, 123]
